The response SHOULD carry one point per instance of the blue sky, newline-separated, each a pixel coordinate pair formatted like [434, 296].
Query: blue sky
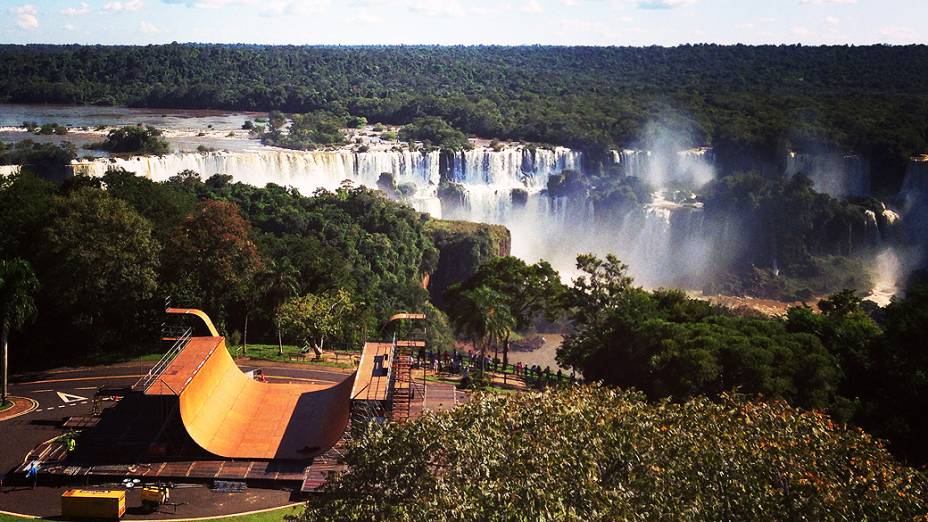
[588, 22]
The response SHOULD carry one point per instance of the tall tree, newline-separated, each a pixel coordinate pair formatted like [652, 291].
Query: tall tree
[482, 314]
[17, 307]
[98, 266]
[312, 319]
[529, 291]
[277, 282]
[211, 257]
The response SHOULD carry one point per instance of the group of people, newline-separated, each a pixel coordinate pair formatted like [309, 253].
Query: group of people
[455, 362]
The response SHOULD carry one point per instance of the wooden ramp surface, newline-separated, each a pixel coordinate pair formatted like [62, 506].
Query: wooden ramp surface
[231, 415]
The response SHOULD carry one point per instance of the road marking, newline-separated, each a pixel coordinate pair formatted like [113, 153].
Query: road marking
[69, 397]
[98, 378]
[40, 391]
[87, 388]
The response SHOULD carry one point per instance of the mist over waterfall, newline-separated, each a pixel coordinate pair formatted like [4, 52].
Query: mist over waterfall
[913, 196]
[835, 174]
[640, 204]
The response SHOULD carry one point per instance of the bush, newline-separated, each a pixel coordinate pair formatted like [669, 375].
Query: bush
[594, 453]
[134, 139]
[434, 131]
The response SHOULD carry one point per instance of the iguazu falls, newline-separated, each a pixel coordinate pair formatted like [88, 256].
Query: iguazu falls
[468, 261]
[556, 203]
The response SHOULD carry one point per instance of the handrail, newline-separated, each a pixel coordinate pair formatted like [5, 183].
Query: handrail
[163, 363]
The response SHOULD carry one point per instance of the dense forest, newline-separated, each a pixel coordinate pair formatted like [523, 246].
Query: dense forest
[860, 363]
[596, 453]
[107, 252]
[750, 103]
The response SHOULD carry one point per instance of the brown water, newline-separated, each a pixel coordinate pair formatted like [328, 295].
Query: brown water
[183, 128]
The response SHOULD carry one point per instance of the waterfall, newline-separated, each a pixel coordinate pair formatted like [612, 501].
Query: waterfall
[486, 176]
[666, 242]
[887, 274]
[839, 175]
[514, 167]
[691, 168]
[913, 196]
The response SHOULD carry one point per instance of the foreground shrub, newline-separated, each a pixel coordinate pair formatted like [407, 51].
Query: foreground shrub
[594, 453]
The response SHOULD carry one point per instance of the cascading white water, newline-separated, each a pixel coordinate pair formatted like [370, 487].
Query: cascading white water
[839, 175]
[487, 176]
[665, 242]
[305, 171]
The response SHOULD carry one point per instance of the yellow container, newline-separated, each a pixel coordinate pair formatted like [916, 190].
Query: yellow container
[83, 503]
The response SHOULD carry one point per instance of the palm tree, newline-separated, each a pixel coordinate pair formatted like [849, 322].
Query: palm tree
[17, 284]
[481, 314]
[277, 283]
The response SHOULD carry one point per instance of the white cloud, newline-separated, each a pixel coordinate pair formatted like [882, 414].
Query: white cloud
[664, 4]
[365, 16]
[454, 8]
[68, 27]
[147, 27]
[899, 34]
[449, 8]
[294, 7]
[76, 11]
[532, 6]
[210, 4]
[801, 30]
[26, 16]
[128, 5]
[832, 21]
[570, 3]
[827, 2]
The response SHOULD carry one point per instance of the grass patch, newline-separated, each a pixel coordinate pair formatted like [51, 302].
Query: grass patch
[6, 405]
[270, 352]
[443, 380]
[268, 516]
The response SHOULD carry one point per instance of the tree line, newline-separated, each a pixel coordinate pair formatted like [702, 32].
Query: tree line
[750, 103]
[107, 252]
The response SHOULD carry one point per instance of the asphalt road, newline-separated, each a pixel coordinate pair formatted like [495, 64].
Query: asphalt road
[68, 392]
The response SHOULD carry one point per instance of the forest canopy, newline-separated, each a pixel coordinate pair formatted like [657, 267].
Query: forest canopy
[744, 101]
[595, 453]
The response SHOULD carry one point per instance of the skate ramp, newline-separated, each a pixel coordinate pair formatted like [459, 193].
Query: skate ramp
[231, 415]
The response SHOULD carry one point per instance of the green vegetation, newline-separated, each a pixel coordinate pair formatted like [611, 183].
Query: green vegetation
[46, 129]
[785, 225]
[592, 453]
[314, 318]
[750, 103]
[435, 132]
[860, 369]
[464, 246]
[307, 131]
[282, 353]
[134, 139]
[47, 160]
[17, 308]
[107, 259]
[502, 296]
[668, 345]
